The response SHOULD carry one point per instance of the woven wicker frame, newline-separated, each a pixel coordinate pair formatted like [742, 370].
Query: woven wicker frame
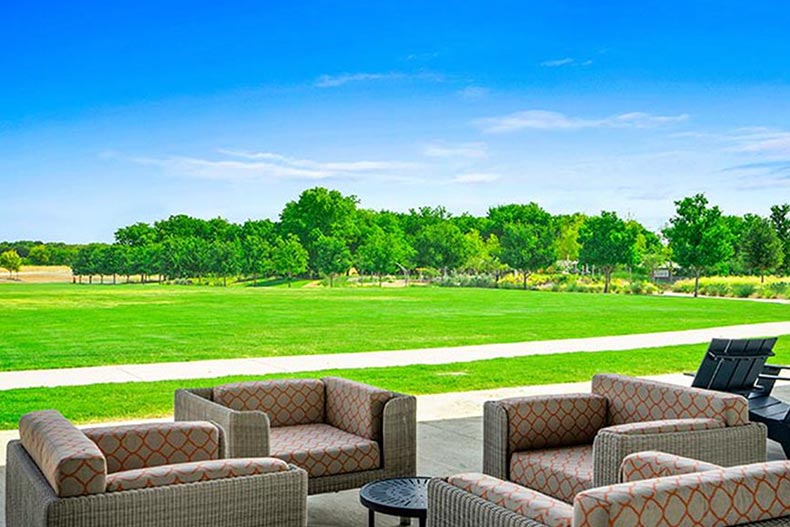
[268, 500]
[247, 435]
[449, 506]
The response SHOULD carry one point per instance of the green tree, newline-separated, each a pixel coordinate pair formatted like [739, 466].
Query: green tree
[333, 257]
[568, 236]
[320, 212]
[289, 258]
[606, 242]
[441, 246]
[137, 235]
[225, 259]
[384, 252]
[780, 219]
[10, 261]
[761, 248]
[698, 236]
[39, 255]
[256, 256]
[528, 247]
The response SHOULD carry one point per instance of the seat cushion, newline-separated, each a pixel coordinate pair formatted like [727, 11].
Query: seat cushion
[130, 447]
[182, 473]
[323, 450]
[559, 472]
[72, 464]
[287, 402]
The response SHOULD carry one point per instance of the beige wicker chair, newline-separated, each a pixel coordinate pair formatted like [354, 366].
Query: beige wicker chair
[143, 476]
[343, 433]
[562, 445]
[660, 490]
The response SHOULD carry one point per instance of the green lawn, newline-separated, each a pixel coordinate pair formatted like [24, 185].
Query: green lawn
[62, 325]
[105, 402]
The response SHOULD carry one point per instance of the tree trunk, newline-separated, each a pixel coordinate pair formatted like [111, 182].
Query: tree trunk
[525, 280]
[113, 279]
[607, 274]
[90, 279]
[331, 280]
[381, 280]
[762, 278]
[101, 279]
[696, 283]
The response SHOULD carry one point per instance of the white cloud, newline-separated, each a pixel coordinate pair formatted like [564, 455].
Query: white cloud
[476, 150]
[567, 61]
[476, 177]
[546, 120]
[334, 81]
[770, 143]
[473, 92]
[269, 165]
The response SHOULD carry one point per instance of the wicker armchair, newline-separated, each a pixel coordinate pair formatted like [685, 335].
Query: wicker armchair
[661, 490]
[143, 476]
[343, 433]
[563, 445]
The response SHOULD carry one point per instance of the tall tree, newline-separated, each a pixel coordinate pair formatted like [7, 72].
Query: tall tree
[780, 219]
[698, 236]
[289, 258]
[333, 257]
[761, 248]
[384, 252]
[441, 246]
[256, 256]
[39, 255]
[10, 261]
[528, 247]
[606, 242]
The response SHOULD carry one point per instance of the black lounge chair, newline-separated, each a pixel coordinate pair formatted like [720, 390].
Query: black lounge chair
[739, 366]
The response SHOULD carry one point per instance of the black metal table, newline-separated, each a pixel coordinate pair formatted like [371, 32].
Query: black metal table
[404, 497]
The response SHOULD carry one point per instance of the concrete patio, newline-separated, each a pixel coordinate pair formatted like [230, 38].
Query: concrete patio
[444, 420]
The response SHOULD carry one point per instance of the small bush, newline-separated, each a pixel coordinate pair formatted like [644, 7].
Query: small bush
[743, 290]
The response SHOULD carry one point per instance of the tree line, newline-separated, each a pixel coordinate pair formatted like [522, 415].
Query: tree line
[324, 233]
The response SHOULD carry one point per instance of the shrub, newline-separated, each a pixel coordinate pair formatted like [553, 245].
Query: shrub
[743, 290]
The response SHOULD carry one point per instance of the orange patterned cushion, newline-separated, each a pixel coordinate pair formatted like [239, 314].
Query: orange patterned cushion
[287, 402]
[731, 496]
[559, 472]
[192, 473]
[665, 426]
[647, 465]
[72, 464]
[130, 447]
[554, 420]
[354, 407]
[521, 500]
[323, 450]
[632, 399]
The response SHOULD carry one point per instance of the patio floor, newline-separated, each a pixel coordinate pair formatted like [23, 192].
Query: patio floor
[448, 419]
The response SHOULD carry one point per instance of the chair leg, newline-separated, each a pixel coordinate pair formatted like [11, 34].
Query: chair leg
[405, 521]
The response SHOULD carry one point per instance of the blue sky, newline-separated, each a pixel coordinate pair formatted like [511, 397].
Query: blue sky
[116, 112]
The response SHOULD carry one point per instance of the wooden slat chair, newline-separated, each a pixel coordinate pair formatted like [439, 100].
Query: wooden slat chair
[740, 366]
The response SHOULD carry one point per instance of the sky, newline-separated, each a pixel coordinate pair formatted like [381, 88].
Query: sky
[118, 112]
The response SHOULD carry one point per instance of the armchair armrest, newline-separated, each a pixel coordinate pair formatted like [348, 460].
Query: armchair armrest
[399, 436]
[244, 434]
[649, 465]
[728, 446]
[665, 426]
[130, 447]
[527, 423]
[355, 407]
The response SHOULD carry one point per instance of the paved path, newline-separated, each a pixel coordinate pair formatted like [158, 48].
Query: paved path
[300, 363]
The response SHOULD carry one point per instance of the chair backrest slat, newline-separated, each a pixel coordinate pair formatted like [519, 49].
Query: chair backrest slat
[733, 365]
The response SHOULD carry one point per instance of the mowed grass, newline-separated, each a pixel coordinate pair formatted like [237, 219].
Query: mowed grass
[64, 325]
[110, 402]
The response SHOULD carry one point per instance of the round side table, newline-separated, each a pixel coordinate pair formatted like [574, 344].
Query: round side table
[404, 497]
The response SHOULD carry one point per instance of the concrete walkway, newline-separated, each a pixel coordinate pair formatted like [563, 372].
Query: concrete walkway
[301, 363]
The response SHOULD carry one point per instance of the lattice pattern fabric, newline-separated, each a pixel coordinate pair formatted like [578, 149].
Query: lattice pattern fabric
[521, 500]
[559, 472]
[149, 445]
[72, 464]
[354, 407]
[665, 426]
[632, 400]
[324, 450]
[554, 420]
[730, 496]
[648, 465]
[287, 402]
[192, 473]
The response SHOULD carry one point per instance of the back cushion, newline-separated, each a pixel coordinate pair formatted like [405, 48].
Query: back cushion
[731, 496]
[553, 420]
[71, 463]
[632, 400]
[131, 447]
[355, 407]
[287, 402]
